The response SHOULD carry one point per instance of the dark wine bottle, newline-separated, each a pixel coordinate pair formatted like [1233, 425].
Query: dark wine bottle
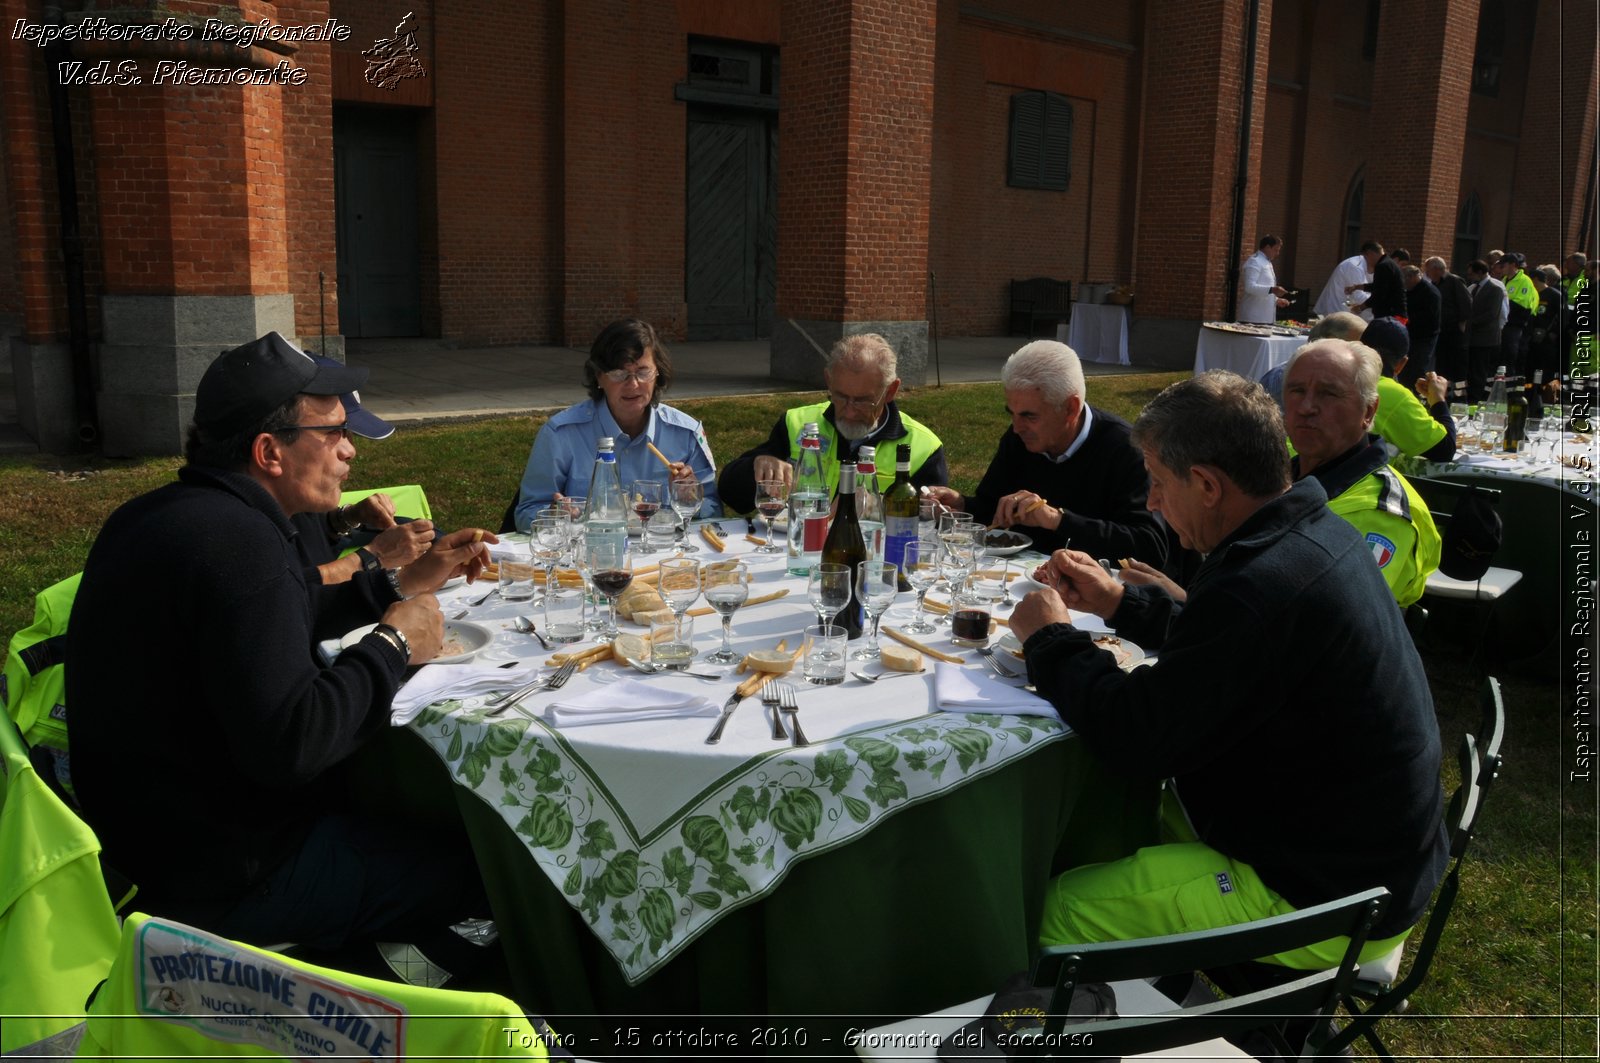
[900, 507]
[844, 546]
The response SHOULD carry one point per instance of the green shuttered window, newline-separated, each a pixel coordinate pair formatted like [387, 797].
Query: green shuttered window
[1041, 141]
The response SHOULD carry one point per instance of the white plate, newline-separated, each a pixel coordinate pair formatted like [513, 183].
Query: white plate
[453, 581]
[1128, 655]
[464, 637]
[1001, 549]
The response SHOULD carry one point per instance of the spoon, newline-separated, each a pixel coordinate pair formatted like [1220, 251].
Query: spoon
[868, 677]
[524, 625]
[651, 669]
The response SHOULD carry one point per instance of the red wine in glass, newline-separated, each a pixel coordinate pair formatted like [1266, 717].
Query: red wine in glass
[611, 582]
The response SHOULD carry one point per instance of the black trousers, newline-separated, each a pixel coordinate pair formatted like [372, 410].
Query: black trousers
[1481, 364]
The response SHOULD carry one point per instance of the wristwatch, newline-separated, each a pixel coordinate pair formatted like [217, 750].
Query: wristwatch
[340, 523]
[369, 560]
[396, 638]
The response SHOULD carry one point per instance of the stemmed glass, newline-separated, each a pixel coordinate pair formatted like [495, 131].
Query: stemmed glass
[877, 582]
[727, 585]
[610, 570]
[679, 585]
[771, 500]
[921, 567]
[957, 557]
[548, 542]
[828, 590]
[645, 498]
[686, 498]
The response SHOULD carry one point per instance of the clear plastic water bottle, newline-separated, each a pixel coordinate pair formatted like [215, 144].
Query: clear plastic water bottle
[808, 504]
[605, 516]
[869, 502]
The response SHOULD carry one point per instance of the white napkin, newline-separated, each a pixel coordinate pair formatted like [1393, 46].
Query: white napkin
[627, 699]
[960, 689]
[436, 682]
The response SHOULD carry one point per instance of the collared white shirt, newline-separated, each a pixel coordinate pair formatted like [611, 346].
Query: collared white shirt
[1083, 434]
[1256, 281]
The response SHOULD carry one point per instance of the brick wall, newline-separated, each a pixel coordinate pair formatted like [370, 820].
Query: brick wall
[1555, 149]
[308, 169]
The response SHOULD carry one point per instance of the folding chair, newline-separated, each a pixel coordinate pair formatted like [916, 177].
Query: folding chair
[1375, 993]
[410, 500]
[1484, 590]
[176, 992]
[1127, 965]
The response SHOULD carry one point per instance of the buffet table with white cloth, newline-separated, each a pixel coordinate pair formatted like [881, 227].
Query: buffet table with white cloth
[1098, 332]
[636, 869]
[1244, 349]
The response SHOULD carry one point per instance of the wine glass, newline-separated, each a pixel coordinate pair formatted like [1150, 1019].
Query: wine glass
[548, 541]
[828, 589]
[727, 586]
[877, 582]
[771, 500]
[679, 585]
[645, 498]
[921, 567]
[957, 558]
[686, 497]
[610, 570]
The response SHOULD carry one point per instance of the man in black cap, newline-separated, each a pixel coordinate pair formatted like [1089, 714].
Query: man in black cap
[208, 738]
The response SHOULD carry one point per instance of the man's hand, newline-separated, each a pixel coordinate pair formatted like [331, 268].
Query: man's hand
[1036, 610]
[376, 512]
[680, 470]
[421, 622]
[461, 553]
[1137, 573]
[948, 497]
[1081, 582]
[402, 544]
[1282, 303]
[1027, 508]
[767, 467]
[1433, 388]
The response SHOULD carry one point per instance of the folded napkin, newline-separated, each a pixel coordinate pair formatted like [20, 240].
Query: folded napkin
[437, 682]
[961, 689]
[627, 699]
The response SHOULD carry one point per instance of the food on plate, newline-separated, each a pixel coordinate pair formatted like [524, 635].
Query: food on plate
[634, 648]
[1001, 538]
[898, 658]
[1114, 644]
[453, 646]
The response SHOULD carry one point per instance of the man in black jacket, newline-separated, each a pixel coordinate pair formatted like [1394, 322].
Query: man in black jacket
[1286, 693]
[207, 736]
[1387, 288]
[1422, 325]
[1455, 307]
[1063, 470]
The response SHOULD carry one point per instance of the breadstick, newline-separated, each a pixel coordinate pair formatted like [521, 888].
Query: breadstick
[905, 639]
[662, 458]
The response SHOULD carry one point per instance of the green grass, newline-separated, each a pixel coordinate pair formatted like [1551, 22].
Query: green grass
[1520, 953]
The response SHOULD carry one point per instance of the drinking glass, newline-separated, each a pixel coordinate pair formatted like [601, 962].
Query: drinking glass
[548, 541]
[517, 577]
[877, 582]
[771, 500]
[687, 495]
[957, 557]
[824, 659]
[1533, 437]
[563, 609]
[828, 589]
[679, 584]
[672, 642]
[727, 585]
[661, 532]
[610, 570]
[921, 567]
[989, 583]
[644, 496]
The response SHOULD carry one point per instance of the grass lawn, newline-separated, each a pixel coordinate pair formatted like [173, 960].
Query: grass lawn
[1516, 975]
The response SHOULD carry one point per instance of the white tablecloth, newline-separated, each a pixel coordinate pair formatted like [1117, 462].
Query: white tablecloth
[651, 833]
[1572, 467]
[1099, 332]
[1237, 352]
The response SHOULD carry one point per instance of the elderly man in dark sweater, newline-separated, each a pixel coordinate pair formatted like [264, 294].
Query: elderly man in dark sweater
[1265, 769]
[1063, 471]
[207, 735]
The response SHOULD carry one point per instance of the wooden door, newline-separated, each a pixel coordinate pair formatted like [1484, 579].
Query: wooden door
[730, 224]
[375, 194]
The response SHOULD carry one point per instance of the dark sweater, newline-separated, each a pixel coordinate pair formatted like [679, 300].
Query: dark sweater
[1288, 704]
[203, 724]
[1101, 489]
[1388, 288]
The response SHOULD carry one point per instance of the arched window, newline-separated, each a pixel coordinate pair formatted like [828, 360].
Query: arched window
[1469, 233]
[1352, 213]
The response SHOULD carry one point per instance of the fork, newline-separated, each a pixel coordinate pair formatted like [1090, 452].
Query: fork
[791, 709]
[555, 681]
[992, 662]
[492, 592]
[769, 698]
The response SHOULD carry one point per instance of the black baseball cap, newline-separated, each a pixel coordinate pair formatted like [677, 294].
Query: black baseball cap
[1389, 338]
[363, 423]
[250, 381]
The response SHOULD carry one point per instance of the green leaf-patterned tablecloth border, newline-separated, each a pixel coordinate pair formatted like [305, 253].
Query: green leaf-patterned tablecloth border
[646, 898]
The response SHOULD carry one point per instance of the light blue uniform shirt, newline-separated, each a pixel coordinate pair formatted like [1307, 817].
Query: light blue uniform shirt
[563, 455]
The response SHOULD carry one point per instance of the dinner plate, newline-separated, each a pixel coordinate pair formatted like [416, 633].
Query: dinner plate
[453, 581]
[1128, 655]
[463, 640]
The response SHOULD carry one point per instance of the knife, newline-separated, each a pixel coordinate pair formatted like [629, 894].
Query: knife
[740, 692]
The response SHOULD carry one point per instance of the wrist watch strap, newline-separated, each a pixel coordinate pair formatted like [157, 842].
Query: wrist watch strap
[369, 560]
[396, 638]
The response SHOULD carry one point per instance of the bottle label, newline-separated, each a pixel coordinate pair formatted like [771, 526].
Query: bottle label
[816, 533]
[897, 532]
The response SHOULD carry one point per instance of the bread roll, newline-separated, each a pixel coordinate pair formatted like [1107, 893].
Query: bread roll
[898, 658]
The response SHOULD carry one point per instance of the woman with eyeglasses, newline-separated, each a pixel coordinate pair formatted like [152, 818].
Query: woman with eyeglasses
[627, 372]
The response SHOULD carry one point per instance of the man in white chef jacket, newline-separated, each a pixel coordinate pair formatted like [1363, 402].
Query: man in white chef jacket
[1260, 296]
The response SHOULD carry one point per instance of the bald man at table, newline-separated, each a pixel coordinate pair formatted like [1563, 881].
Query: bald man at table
[1264, 770]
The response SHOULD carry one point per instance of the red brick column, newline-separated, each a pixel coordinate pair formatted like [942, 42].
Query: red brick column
[1555, 149]
[1421, 84]
[855, 149]
[1194, 75]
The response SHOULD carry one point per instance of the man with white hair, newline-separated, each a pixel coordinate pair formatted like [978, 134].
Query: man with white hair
[861, 374]
[1330, 395]
[1063, 471]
